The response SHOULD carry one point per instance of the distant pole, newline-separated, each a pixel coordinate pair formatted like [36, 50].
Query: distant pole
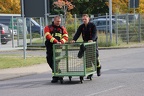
[24, 30]
[110, 19]
[134, 6]
[75, 20]
[46, 14]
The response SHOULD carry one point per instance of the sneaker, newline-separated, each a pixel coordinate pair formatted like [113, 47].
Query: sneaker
[99, 71]
[54, 79]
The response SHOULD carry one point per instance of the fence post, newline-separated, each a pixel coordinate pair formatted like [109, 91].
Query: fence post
[30, 32]
[110, 20]
[116, 28]
[106, 30]
[75, 22]
[139, 27]
[127, 28]
[46, 14]
[62, 19]
[41, 28]
[12, 25]
[18, 31]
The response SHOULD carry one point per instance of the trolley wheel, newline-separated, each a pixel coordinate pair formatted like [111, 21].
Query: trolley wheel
[61, 80]
[70, 78]
[90, 76]
[81, 79]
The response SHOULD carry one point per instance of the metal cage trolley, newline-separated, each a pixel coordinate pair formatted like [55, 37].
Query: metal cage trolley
[77, 59]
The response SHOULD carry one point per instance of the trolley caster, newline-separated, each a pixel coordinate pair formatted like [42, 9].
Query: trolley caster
[70, 78]
[90, 76]
[61, 80]
[81, 79]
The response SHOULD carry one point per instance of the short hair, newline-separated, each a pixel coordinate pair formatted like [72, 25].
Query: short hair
[57, 17]
[85, 15]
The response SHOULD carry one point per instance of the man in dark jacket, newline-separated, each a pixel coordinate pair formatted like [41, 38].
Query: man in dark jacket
[89, 34]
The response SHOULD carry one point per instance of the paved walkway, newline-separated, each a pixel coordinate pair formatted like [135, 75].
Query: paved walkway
[10, 73]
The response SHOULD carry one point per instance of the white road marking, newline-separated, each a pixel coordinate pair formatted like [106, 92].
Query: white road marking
[114, 88]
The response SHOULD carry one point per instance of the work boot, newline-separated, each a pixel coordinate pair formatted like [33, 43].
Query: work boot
[99, 71]
[54, 79]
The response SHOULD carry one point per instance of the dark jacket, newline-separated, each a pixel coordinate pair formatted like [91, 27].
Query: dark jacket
[88, 32]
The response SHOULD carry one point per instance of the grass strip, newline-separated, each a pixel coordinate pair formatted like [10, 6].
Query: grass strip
[15, 61]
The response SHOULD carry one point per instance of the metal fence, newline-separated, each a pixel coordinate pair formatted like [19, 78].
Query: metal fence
[15, 23]
[132, 31]
[126, 28]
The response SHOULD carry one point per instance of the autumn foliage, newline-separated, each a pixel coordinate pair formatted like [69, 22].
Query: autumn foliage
[122, 6]
[119, 6]
[10, 6]
[141, 6]
[63, 3]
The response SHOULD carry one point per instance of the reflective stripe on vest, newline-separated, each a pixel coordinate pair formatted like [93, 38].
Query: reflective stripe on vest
[58, 35]
[52, 39]
[47, 33]
[66, 35]
[63, 40]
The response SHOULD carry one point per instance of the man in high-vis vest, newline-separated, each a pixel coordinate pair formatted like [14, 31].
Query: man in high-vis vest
[54, 34]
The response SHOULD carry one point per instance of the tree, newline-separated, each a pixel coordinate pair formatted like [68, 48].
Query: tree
[10, 6]
[119, 6]
[65, 5]
[90, 7]
[141, 6]
[122, 6]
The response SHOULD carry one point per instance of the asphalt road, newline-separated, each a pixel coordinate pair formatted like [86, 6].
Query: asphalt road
[122, 75]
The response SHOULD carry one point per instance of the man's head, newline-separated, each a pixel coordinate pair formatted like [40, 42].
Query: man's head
[57, 20]
[85, 18]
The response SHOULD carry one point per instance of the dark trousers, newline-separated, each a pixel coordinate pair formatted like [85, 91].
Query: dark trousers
[97, 56]
[49, 58]
[49, 54]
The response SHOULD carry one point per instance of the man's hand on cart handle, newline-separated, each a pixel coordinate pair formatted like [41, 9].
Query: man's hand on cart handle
[58, 42]
[72, 41]
[90, 40]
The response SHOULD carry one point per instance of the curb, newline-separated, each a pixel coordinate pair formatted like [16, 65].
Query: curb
[100, 48]
[6, 74]
[103, 48]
